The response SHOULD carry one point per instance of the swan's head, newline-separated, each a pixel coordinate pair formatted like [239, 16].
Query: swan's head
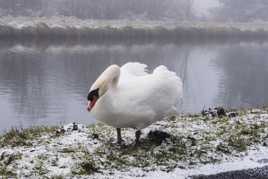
[92, 98]
[107, 79]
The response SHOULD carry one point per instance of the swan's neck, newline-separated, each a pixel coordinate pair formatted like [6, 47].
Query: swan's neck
[114, 79]
[108, 79]
[111, 76]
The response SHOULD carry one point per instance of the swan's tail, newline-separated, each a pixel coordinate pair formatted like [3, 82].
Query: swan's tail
[171, 77]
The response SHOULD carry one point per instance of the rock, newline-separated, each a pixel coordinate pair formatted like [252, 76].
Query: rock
[223, 148]
[265, 143]
[95, 136]
[210, 112]
[220, 111]
[232, 114]
[216, 112]
[158, 136]
[60, 131]
[193, 140]
[75, 126]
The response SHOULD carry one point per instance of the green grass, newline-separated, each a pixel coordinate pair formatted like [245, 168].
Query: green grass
[86, 166]
[40, 169]
[23, 137]
[6, 173]
[5, 161]
[149, 153]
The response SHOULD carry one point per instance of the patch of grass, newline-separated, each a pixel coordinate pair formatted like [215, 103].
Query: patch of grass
[223, 148]
[101, 131]
[7, 159]
[22, 137]
[197, 143]
[179, 142]
[6, 173]
[86, 167]
[40, 169]
[238, 143]
[149, 153]
[57, 177]
[67, 150]
[248, 133]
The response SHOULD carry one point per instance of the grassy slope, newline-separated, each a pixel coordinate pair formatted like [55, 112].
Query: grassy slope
[184, 142]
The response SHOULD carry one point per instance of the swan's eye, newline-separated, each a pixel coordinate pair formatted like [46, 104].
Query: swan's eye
[92, 94]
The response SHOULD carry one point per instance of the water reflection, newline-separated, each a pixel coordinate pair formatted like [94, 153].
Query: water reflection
[244, 79]
[47, 84]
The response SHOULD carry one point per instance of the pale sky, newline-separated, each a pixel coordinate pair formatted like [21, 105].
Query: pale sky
[202, 6]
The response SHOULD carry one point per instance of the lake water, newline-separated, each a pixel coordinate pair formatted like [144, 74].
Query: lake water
[47, 83]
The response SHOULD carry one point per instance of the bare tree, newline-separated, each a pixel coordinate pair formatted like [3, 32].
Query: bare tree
[241, 10]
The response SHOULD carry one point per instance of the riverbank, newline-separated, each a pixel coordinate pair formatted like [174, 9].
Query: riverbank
[184, 146]
[71, 28]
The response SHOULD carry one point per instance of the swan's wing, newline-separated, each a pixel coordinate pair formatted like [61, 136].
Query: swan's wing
[134, 68]
[159, 91]
[155, 85]
[131, 73]
[168, 89]
[170, 80]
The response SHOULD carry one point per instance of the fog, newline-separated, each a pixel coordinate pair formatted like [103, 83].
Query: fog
[182, 10]
[101, 9]
[241, 10]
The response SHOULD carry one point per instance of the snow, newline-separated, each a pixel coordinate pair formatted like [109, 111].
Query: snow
[249, 162]
[62, 154]
[61, 25]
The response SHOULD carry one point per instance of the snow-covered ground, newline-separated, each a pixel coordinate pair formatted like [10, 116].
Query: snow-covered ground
[178, 148]
[61, 26]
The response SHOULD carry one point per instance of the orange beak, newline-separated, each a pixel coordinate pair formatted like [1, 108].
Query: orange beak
[91, 104]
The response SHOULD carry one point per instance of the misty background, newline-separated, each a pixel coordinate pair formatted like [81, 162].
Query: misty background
[183, 10]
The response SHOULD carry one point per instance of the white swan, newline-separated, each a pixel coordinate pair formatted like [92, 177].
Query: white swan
[130, 97]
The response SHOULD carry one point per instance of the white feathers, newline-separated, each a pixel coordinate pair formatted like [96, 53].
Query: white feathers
[140, 98]
[135, 68]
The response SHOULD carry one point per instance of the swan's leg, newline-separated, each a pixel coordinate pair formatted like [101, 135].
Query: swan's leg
[137, 134]
[119, 138]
